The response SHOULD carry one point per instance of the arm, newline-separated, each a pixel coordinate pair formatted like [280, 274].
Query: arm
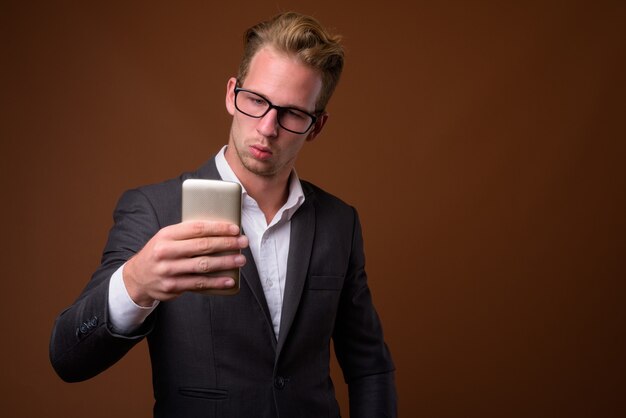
[359, 344]
[161, 264]
[83, 343]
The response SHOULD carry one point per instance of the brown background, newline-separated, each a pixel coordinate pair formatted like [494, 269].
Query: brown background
[483, 143]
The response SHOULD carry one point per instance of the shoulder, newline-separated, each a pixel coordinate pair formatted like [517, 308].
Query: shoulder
[170, 190]
[325, 202]
[164, 198]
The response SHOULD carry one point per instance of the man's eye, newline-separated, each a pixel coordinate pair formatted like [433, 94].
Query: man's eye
[295, 114]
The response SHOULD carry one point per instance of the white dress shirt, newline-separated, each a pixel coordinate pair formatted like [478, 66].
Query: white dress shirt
[269, 244]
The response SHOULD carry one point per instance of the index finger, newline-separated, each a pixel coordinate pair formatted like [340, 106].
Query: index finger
[197, 229]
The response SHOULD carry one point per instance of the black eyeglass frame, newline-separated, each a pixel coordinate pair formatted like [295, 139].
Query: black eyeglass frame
[279, 109]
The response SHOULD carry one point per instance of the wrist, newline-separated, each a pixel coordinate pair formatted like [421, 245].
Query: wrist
[133, 288]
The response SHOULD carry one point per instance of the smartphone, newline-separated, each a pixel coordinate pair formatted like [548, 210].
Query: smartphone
[215, 200]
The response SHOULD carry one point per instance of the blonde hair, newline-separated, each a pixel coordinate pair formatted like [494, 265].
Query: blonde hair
[305, 38]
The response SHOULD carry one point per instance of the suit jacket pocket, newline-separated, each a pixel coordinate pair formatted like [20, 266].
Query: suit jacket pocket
[325, 283]
[204, 393]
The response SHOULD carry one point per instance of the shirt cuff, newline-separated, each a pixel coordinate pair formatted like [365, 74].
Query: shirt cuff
[125, 316]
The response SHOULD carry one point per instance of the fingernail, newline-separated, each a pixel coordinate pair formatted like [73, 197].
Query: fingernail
[234, 229]
[240, 260]
[229, 283]
[242, 241]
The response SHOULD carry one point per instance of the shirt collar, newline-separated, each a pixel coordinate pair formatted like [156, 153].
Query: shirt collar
[296, 194]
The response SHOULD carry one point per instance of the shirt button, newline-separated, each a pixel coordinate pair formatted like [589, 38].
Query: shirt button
[279, 382]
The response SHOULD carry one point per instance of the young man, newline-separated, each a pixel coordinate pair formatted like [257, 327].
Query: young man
[265, 351]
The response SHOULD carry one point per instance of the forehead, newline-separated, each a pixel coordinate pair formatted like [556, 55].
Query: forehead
[283, 79]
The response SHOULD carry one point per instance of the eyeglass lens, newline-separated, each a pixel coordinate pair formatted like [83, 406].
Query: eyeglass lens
[256, 106]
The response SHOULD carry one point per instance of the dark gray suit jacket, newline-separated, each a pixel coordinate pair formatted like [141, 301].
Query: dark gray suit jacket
[217, 356]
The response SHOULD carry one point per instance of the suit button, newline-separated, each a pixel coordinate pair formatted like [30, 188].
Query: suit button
[83, 328]
[279, 382]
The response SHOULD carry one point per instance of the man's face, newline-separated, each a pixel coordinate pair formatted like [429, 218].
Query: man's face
[260, 147]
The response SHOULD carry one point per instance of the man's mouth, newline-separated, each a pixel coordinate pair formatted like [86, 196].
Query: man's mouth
[260, 152]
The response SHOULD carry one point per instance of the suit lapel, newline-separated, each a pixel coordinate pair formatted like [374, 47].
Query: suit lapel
[250, 275]
[300, 246]
[249, 272]
[301, 243]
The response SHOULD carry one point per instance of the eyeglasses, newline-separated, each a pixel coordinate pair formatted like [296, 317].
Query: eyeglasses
[256, 106]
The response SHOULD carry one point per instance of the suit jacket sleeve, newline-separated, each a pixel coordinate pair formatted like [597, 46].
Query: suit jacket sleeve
[83, 342]
[359, 344]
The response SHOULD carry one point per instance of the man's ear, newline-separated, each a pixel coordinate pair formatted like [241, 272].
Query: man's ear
[230, 95]
[317, 128]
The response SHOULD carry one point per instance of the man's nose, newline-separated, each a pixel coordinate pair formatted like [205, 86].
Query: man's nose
[268, 124]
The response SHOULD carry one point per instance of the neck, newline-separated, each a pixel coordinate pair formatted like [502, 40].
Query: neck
[270, 192]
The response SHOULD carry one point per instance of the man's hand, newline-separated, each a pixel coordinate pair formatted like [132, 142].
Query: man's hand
[172, 261]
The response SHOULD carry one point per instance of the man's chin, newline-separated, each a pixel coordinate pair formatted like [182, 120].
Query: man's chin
[259, 168]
